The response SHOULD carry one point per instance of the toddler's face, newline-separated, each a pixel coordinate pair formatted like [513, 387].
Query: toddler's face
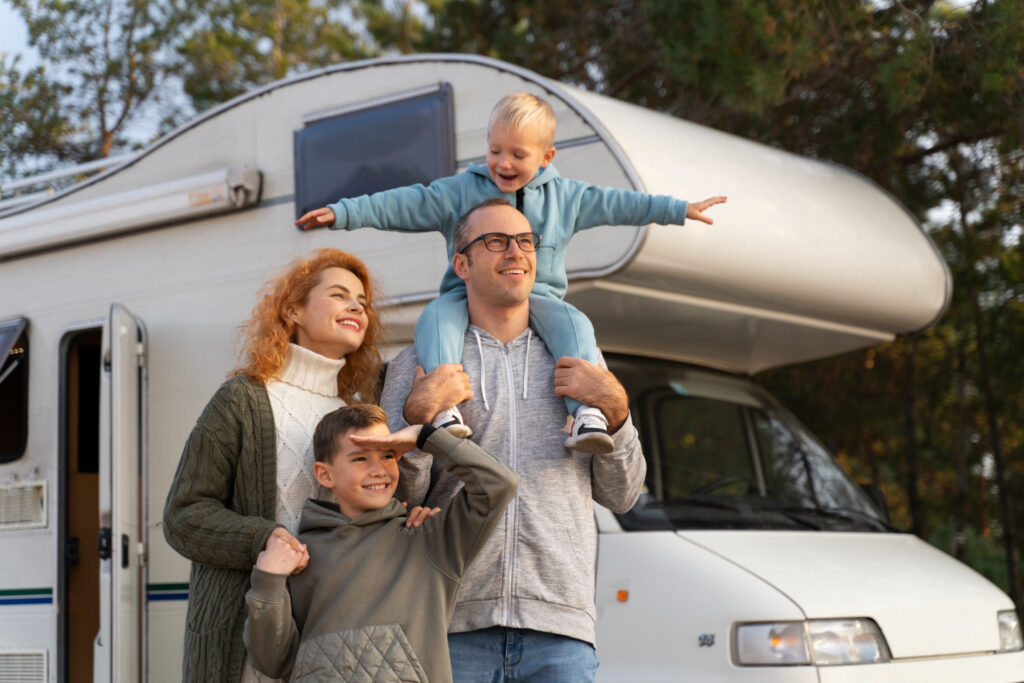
[513, 157]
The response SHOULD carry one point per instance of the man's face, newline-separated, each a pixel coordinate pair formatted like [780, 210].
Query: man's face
[502, 279]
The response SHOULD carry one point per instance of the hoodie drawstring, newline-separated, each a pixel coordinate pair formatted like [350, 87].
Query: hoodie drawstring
[526, 360]
[483, 369]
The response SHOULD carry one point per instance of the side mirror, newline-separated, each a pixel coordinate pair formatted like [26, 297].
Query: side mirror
[877, 497]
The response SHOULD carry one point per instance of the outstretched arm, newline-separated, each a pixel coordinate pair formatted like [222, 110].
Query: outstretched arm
[615, 206]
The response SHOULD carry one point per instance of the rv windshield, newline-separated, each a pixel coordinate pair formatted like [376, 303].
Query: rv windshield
[721, 453]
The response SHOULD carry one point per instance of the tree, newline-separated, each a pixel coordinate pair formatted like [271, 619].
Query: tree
[104, 70]
[234, 46]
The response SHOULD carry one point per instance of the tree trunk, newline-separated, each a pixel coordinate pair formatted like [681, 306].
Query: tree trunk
[913, 499]
[960, 456]
[1005, 501]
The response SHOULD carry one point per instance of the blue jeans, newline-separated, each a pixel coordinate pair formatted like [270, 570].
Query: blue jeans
[499, 654]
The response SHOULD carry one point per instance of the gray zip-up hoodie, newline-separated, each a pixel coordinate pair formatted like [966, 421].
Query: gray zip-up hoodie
[537, 569]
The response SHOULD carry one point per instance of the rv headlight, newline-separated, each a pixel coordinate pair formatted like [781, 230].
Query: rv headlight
[823, 642]
[1010, 639]
[783, 642]
[846, 641]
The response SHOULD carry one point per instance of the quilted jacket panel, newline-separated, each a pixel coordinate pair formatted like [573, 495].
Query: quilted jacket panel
[371, 654]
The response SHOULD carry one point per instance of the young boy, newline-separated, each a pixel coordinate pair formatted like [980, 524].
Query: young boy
[520, 138]
[375, 599]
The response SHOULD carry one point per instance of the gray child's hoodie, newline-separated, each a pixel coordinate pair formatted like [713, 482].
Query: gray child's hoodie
[376, 596]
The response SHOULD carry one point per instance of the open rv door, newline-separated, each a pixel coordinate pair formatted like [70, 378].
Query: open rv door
[119, 652]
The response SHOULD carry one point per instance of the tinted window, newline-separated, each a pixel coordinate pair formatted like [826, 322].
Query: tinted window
[13, 389]
[723, 454]
[364, 151]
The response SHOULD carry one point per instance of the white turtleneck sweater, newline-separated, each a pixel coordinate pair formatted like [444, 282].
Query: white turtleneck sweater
[301, 393]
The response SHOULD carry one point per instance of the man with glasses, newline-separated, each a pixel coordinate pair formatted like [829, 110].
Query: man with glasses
[525, 608]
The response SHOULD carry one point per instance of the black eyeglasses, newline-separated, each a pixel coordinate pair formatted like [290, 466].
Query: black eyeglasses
[499, 241]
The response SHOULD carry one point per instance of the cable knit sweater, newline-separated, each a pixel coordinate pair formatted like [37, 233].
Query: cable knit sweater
[303, 391]
[220, 510]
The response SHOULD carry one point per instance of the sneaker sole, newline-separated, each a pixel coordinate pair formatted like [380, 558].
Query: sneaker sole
[596, 443]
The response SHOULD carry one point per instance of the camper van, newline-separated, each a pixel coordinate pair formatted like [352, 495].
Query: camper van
[751, 555]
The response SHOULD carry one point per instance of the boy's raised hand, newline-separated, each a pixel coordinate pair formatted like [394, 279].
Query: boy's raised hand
[282, 556]
[401, 441]
[695, 210]
[317, 218]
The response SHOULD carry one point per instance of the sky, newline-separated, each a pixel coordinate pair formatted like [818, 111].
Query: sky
[13, 34]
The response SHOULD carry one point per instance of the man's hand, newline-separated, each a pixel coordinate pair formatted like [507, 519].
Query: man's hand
[445, 386]
[317, 218]
[594, 386]
[281, 556]
[695, 210]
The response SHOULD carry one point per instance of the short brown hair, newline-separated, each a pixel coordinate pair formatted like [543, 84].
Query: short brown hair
[459, 231]
[342, 421]
[520, 109]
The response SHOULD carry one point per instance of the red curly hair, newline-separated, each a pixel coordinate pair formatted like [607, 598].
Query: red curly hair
[268, 332]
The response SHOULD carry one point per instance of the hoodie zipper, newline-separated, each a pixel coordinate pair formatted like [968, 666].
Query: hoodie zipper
[512, 510]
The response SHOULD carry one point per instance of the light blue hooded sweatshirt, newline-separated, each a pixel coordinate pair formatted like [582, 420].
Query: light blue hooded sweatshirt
[556, 207]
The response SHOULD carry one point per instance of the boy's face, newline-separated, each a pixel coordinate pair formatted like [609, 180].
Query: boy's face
[362, 479]
[513, 157]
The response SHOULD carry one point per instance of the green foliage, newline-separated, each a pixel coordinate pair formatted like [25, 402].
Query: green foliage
[234, 46]
[103, 65]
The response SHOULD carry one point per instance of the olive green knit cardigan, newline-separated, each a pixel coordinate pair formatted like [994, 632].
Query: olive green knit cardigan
[219, 514]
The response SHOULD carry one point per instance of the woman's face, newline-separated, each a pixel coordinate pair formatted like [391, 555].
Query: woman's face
[333, 320]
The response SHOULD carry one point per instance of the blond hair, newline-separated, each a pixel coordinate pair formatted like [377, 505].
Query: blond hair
[519, 110]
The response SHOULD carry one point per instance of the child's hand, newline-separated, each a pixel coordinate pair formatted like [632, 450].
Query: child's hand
[401, 441]
[695, 210]
[317, 218]
[419, 514]
[281, 556]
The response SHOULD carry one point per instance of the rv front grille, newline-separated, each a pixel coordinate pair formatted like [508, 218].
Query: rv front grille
[23, 666]
[22, 506]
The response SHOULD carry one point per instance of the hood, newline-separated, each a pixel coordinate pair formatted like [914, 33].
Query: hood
[319, 515]
[925, 602]
[544, 175]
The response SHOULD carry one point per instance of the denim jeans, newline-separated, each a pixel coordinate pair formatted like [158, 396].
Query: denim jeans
[499, 654]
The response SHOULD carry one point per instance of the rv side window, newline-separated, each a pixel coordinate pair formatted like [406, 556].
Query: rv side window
[13, 389]
[375, 148]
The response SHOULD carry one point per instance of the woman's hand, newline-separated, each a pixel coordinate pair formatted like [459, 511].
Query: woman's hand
[695, 210]
[317, 218]
[419, 514]
[281, 555]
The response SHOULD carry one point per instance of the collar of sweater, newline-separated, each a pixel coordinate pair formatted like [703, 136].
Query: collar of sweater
[310, 371]
[490, 340]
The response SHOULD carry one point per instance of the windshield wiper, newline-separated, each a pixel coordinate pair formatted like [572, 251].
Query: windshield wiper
[841, 514]
[750, 509]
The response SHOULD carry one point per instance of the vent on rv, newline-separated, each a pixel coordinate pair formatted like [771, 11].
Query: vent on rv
[22, 506]
[23, 666]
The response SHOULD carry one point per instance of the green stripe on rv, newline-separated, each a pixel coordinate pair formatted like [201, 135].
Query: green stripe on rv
[25, 592]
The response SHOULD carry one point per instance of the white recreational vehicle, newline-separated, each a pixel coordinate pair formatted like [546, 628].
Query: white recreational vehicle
[751, 555]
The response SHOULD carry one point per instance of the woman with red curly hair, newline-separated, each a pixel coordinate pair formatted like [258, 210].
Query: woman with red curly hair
[310, 346]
